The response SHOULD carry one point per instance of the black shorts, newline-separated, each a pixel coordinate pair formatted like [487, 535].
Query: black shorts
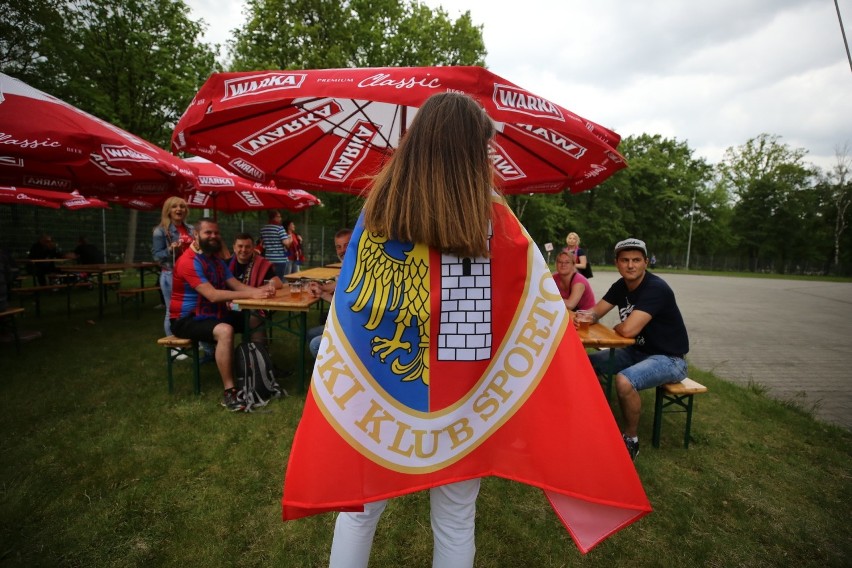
[202, 329]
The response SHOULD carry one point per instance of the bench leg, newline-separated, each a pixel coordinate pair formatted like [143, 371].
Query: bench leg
[169, 360]
[658, 417]
[13, 327]
[172, 355]
[688, 421]
[16, 335]
[68, 288]
[661, 402]
[196, 367]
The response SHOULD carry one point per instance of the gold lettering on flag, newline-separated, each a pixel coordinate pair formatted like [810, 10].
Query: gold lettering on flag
[404, 440]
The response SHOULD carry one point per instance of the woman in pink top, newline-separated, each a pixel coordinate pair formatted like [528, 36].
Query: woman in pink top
[575, 289]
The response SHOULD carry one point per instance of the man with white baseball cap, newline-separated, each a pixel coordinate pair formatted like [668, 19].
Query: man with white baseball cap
[649, 314]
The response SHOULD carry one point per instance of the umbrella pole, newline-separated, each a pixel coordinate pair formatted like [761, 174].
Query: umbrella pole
[103, 233]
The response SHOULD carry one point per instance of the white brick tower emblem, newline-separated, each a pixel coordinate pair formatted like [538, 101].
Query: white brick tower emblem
[465, 333]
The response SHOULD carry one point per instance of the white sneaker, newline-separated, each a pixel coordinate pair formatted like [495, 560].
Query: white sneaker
[180, 357]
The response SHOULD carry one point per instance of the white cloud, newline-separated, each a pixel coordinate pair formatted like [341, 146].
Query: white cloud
[713, 74]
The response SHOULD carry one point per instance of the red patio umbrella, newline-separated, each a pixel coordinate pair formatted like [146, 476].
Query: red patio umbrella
[47, 143]
[34, 196]
[224, 191]
[243, 195]
[16, 196]
[57, 196]
[78, 201]
[139, 202]
[331, 129]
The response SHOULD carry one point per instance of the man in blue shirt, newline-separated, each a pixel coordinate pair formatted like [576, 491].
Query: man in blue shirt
[649, 314]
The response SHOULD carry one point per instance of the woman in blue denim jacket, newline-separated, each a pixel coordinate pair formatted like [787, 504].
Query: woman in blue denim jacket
[171, 237]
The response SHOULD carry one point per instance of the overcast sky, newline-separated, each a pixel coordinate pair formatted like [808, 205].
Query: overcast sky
[712, 73]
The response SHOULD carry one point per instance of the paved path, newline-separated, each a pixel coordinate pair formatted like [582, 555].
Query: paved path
[792, 336]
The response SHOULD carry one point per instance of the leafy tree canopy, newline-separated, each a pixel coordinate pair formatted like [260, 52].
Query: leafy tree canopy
[134, 63]
[23, 28]
[761, 157]
[651, 199]
[325, 34]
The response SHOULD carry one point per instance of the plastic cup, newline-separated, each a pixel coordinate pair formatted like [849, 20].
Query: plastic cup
[585, 318]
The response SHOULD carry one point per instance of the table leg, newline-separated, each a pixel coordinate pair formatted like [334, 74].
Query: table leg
[101, 294]
[246, 326]
[303, 339]
[609, 374]
[142, 283]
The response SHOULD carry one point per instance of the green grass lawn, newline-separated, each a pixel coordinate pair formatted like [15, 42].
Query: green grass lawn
[100, 466]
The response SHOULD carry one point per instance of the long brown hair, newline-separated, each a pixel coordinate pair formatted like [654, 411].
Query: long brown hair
[436, 188]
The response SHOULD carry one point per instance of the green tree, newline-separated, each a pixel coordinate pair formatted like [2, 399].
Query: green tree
[758, 158]
[24, 27]
[544, 216]
[836, 185]
[651, 199]
[134, 63]
[322, 34]
[773, 216]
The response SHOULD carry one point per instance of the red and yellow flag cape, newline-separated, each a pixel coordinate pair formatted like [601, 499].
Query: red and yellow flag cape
[435, 369]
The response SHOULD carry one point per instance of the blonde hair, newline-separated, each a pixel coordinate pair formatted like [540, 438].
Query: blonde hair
[165, 219]
[436, 187]
[575, 235]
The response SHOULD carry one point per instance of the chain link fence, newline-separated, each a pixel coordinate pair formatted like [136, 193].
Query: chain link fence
[110, 230]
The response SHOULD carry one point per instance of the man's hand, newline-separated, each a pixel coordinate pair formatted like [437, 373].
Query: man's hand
[323, 290]
[262, 293]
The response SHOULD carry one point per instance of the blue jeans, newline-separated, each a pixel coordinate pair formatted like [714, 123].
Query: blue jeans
[166, 289]
[314, 338]
[644, 371]
[281, 269]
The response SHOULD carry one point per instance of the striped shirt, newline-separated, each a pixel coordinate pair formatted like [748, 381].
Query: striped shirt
[273, 248]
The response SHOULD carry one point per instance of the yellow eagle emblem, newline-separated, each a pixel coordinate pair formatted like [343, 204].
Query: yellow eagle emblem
[389, 284]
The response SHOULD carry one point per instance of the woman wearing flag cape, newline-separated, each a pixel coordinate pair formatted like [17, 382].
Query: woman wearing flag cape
[447, 357]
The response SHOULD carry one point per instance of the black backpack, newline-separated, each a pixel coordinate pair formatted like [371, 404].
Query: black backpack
[256, 384]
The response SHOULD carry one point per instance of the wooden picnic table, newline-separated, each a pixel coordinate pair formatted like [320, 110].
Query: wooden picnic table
[99, 270]
[38, 261]
[603, 337]
[318, 273]
[296, 308]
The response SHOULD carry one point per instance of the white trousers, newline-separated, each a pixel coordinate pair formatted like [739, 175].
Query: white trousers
[453, 511]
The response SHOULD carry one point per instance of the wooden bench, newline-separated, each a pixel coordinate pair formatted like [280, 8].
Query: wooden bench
[7, 318]
[135, 295]
[111, 281]
[176, 346]
[35, 292]
[679, 395]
